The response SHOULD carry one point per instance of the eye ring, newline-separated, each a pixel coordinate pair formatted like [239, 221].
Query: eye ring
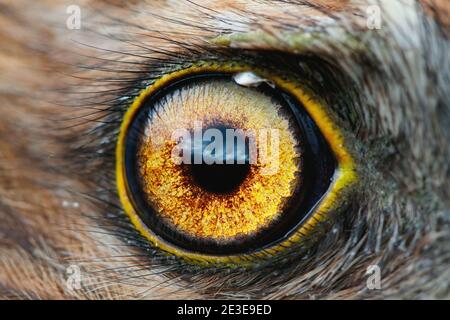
[344, 175]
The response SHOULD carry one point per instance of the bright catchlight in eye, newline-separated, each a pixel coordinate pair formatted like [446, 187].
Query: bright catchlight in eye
[220, 165]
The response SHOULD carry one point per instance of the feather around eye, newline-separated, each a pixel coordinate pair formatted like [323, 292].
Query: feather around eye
[375, 222]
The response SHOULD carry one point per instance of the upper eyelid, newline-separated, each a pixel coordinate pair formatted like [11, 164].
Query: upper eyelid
[307, 76]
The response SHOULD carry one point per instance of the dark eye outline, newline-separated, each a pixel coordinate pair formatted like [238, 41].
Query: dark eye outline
[344, 175]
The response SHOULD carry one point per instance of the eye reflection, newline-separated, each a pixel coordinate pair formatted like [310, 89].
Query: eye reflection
[229, 200]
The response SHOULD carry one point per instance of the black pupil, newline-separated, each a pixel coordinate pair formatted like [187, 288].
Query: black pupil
[220, 178]
[223, 177]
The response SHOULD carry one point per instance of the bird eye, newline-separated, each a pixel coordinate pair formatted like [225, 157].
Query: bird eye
[227, 164]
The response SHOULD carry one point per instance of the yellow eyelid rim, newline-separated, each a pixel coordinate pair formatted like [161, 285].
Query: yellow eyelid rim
[344, 176]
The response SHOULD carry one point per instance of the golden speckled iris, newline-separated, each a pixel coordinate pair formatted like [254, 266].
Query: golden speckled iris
[344, 176]
[257, 202]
